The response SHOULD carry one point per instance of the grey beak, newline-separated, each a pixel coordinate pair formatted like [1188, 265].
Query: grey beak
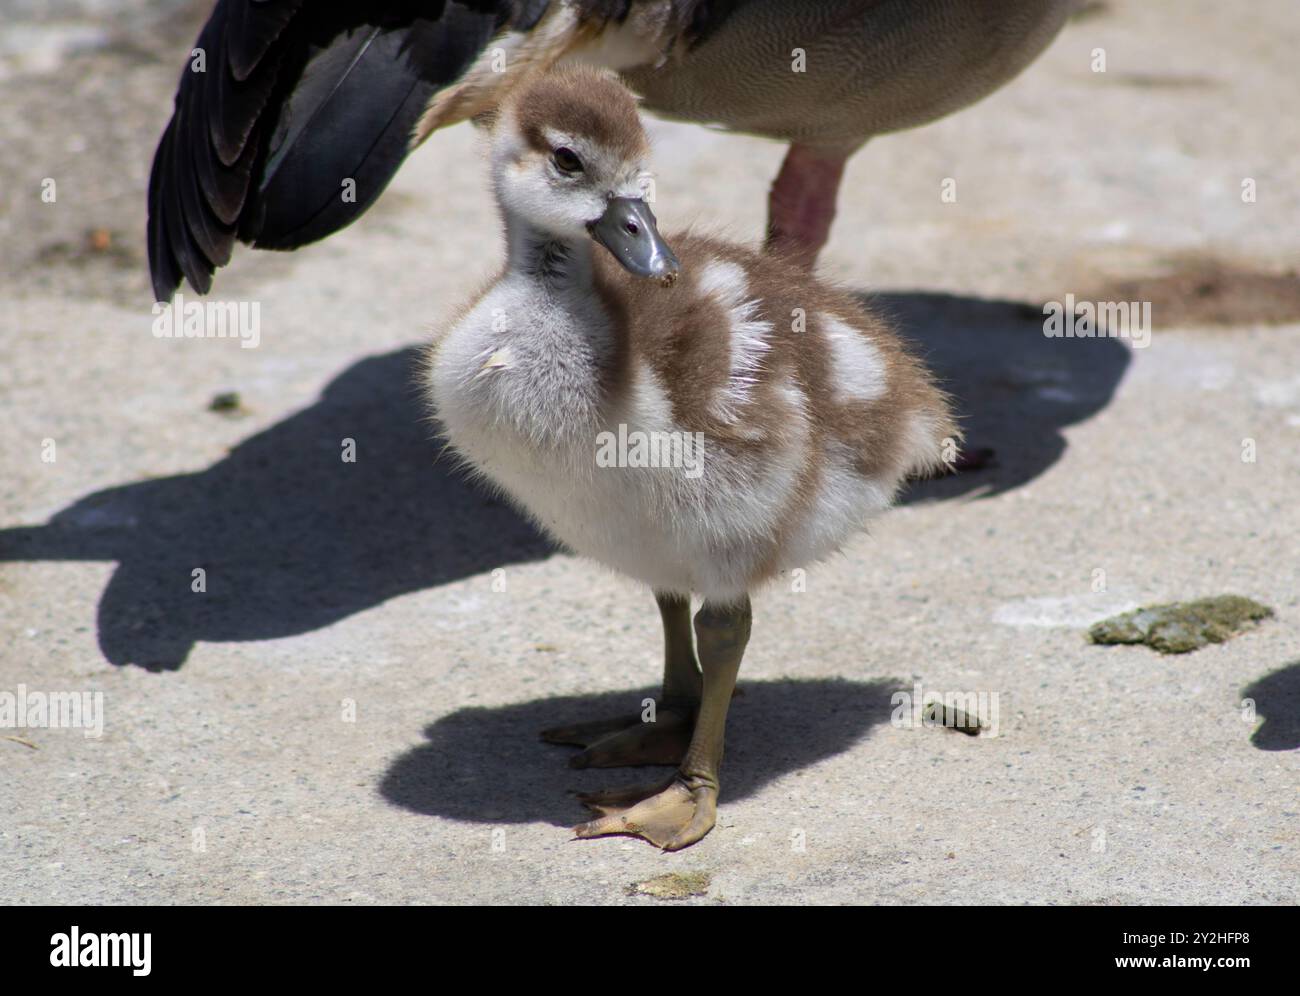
[627, 229]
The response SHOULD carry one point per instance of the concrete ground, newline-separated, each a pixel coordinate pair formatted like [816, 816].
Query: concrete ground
[349, 713]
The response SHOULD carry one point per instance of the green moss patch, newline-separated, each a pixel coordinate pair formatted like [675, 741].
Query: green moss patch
[674, 885]
[1180, 627]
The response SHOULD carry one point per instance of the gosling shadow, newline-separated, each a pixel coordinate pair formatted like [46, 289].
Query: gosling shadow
[1014, 389]
[1277, 703]
[487, 765]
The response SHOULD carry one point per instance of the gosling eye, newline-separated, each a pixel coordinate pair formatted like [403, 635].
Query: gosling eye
[567, 160]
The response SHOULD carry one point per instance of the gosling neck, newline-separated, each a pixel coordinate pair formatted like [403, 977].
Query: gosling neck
[558, 262]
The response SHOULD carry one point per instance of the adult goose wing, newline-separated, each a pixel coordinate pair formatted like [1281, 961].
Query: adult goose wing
[291, 118]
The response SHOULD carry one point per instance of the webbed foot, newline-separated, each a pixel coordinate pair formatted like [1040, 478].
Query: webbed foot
[670, 815]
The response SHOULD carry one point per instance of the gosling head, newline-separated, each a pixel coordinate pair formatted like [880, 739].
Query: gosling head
[569, 157]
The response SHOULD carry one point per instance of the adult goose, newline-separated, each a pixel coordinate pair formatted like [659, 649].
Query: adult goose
[771, 417]
[291, 117]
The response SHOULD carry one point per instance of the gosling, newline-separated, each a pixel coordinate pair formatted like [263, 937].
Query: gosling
[774, 417]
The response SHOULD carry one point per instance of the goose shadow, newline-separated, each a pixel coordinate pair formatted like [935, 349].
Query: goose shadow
[487, 765]
[292, 538]
[1277, 703]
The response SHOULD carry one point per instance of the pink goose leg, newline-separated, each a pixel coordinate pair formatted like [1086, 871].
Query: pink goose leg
[801, 207]
[800, 210]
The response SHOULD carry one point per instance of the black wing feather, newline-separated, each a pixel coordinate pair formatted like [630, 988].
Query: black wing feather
[162, 261]
[214, 239]
[295, 98]
[355, 123]
[252, 32]
[232, 106]
[196, 267]
[224, 187]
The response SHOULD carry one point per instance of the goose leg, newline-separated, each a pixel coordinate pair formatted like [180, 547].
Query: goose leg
[801, 206]
[680, 811]
[634, 739]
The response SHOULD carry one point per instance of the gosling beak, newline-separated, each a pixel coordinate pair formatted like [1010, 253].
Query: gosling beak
[627, 229]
